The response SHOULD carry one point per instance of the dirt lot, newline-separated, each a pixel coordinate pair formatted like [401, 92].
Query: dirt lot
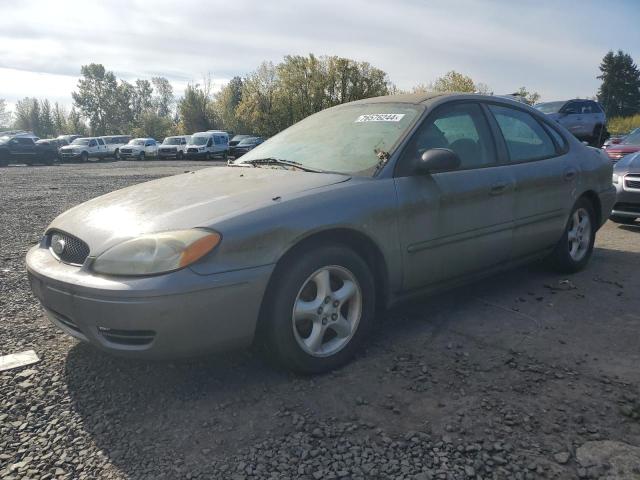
[525, 375]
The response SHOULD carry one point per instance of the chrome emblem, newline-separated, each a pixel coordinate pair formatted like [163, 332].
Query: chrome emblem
[57, 244]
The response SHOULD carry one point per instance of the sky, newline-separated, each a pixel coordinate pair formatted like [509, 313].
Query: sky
[552, 47]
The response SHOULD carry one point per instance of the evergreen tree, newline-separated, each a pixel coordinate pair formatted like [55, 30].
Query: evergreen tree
[619, 93]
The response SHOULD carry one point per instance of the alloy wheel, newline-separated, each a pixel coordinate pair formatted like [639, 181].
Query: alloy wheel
[327, 311]
[579, 234]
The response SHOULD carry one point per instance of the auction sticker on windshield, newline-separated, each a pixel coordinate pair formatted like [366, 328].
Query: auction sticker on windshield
[380, 117]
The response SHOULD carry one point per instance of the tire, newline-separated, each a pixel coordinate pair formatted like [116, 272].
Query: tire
[84, 157]
[208, 157]
[572, 255]
[289, 338]
[622, 220]
[116, 154]
[141, 157]
[225, 156]
[179, 155]
[49, 160]
[5, 156]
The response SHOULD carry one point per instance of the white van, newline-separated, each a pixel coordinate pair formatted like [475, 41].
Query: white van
[208, 145]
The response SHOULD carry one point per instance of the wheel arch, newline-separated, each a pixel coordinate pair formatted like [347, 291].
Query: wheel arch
[359, 242]
[594, 199]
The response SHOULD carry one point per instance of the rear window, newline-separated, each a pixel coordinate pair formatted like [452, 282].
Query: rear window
[524, 136]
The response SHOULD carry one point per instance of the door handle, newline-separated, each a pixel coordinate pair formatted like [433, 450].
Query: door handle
[498, 189]
[569, 175]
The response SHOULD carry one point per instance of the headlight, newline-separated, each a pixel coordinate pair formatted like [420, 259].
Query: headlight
[615, 178]
[201, 148]
[157, 253]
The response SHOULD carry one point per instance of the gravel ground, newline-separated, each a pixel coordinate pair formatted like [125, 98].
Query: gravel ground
[525, 375]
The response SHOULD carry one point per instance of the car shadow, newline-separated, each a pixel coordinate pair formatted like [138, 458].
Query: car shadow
[630, 228]
[136, 411]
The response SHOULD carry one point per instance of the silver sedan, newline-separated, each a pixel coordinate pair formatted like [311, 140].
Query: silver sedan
[295, 244]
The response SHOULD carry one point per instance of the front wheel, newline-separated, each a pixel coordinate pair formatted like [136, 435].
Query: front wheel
[84, 157]
[141, 156]
[622, 220]
[318, 309]
[116, 154]
[179, 155]
[574, 249]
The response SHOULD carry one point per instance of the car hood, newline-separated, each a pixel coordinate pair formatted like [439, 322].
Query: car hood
[628, 164]
[192, 199]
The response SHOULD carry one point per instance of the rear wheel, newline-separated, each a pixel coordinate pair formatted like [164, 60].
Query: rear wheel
[318, 309]
[574, 249]
[623, 220]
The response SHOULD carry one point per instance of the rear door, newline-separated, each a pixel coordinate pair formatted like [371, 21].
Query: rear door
[573, 119]
[545, 176]
[457, 222]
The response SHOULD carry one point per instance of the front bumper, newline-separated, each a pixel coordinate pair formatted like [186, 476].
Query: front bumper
[69, 155]
[196, 155]
[133, 154]
[173, 315]
[170, 154]
[627, 202]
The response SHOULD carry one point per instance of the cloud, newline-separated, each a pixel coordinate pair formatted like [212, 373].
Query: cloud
[548, 46]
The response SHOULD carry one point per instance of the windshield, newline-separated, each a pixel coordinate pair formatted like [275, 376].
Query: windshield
[136, 142]
[248, 141]
[549, 107]
[172, 141]
[237, 138]
[345, 139]
[80, 141]
[633, 138]
[4, 139]
[198, 140]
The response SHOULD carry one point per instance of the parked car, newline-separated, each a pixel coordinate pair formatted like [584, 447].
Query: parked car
[139, 149]
[49, 150]
[173, 147]
[68, 138]
[626, 178]
[114, 143]
[208, 145]
[629, 144]
[84, 149]
[296, 244]
[584, 118]
[237, 138]
[245, 145]
[22, 148]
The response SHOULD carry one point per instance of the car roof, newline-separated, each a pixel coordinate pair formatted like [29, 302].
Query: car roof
[428, 98]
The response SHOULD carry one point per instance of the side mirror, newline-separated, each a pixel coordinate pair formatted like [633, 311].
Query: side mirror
[209, 143]
[437, 160]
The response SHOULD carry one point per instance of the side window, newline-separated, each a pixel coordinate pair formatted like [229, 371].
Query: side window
[571, 108]
[100, 141]
[461, 128]
[559, 139]
[217, 139]
[24, 141]
[524, 136]
[92, 143]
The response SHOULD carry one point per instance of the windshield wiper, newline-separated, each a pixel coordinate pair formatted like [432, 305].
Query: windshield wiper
[279, 161]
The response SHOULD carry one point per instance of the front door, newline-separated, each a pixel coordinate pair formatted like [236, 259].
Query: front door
[458, 222]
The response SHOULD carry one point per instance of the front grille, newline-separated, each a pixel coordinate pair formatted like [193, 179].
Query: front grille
[125, 150]
[67, 248]
[192, 150]
[632, 182]
[168, 150]
[136, 338]
[627, 207]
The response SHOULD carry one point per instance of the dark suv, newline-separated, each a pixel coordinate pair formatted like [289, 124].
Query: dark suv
[584, 118]
[24, 149]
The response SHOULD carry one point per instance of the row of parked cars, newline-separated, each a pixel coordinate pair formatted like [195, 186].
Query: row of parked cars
[24, 147]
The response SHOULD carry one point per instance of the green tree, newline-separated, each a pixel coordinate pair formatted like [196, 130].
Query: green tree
[59, 119]
[196, 109]
[96, 98]
[46, 119]
[619, 92]
[5, 115]
[453, 82]
[22, 115]
[153, 125]
[258, 108]
[142, 99]
[75, 125]
[163, 98]
[226, 104]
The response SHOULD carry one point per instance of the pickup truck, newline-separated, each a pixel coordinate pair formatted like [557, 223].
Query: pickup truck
[139, 149]
[83, 149]
[115, 143]
[24, 149]
[173, 147]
